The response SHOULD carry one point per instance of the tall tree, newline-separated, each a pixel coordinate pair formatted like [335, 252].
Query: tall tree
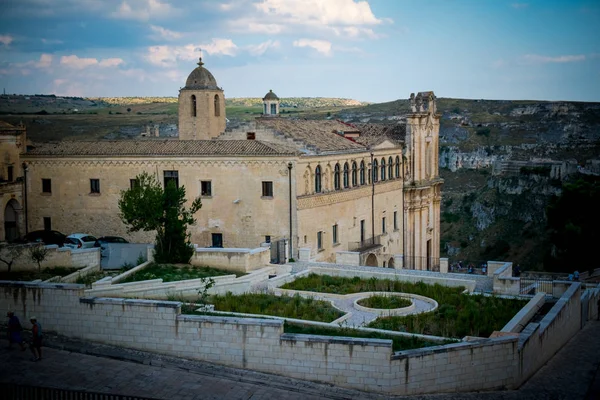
[147, 206]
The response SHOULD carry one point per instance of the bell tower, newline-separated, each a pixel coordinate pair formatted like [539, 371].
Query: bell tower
[422, 184]
[201, 106]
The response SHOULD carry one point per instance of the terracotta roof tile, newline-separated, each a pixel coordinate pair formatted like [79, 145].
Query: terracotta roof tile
[322, 136]
[373, 134]
[159, 148]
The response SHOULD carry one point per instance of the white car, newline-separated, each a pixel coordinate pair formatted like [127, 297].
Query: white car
[80, 241]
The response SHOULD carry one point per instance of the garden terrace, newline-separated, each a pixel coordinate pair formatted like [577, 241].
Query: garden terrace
[173, 273]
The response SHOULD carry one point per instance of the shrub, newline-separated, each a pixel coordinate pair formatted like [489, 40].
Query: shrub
[385, 302]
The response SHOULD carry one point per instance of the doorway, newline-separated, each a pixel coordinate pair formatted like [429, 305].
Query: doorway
[10, 221]
[372, 260]
[217, 240]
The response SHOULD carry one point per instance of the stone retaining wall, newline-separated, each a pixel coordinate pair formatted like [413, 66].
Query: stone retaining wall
[56, 257]
[232, 259]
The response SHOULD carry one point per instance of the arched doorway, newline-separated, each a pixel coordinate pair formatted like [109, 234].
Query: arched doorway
[391, 263]
[372, 260]
[10, 221]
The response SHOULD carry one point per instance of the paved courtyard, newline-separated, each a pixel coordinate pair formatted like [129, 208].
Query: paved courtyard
[70, 364]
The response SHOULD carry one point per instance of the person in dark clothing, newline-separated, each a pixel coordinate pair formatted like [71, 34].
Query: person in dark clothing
[14, 331]
[36, 342]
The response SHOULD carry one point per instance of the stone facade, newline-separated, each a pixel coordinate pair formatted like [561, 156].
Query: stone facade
[12, 218]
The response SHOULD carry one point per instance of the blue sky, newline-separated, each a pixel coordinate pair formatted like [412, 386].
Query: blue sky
[375, 50]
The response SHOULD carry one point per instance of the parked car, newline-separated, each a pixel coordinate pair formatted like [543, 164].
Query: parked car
[108, 239]
[80, 241]
[44, 236]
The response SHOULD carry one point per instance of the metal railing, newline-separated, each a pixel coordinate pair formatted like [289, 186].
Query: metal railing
[365, 245]
[534, 285]
[12, 391]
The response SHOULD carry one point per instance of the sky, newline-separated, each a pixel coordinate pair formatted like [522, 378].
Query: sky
[375, 50]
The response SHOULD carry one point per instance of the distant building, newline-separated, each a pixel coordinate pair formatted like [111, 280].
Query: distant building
[359, 194]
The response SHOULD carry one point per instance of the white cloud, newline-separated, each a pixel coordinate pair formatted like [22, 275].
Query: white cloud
[161, 33]
[261, 48]
[75, 62]
[168, 56]
[6, 39]
[272, 29]
[45, 61]
[322, 46]
[144, 10]
[536, 58]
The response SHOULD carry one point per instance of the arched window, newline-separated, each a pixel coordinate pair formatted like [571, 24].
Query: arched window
[383, 169]
[354, 174]
[336, 177]
[346, 176]
[397, 166]
[362, 172]
[390, 168]
[375, 170]
[193, 104]
[318, 179]
[217, 106]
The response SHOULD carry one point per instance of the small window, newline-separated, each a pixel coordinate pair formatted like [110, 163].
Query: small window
[217, 106]
[318, 179]
[133, 183]
[362, 172]
[397, 167]
[383, 169]
[217, 240]
[390, 168]
[94, 185]
[193, 104]
[47, 223]
[10, 173]
[354, 174]
[335, 234]
[395, 220]
[267, 189]
[346, 176]
[362, 230]
[336, 177]
[268, 239]
[171, 176]
[383, 225]
[46, 185]
[250, 135]
[305, 238]
[375, 170]
[320, 240]
[205, 188]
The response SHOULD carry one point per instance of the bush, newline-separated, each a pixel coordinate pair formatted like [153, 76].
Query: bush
[483, 132]
[385, 302]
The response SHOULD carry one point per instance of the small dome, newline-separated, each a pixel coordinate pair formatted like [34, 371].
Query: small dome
[201, 78]
[270, 96]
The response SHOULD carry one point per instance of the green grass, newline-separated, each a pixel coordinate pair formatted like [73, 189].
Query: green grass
[281, 306]
[172, 273]
[458, 314]
[399, 343]
[45, 274]
[384, 302]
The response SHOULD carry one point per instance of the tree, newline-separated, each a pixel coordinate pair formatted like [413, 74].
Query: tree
[38, 254]
[147, 206]
[9, 253]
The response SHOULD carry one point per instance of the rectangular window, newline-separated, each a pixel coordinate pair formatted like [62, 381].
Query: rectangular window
[320, 240]
[268, 239]
[47, 224]
[250, 135]
[46, 185]
[10, 173]
[171, 176]
[94, 185]
[335, 234]
[205, 188]
[383, 225]
[217, 240]
[395, 220]
[362, 230]
[267, 189]
[133, 183]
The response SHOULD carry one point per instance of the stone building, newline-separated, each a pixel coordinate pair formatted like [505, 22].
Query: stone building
[361, 194]
[12, 218]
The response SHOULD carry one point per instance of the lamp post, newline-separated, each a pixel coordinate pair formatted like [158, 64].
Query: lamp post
[372, 201]
[290, 165]
[25, 196]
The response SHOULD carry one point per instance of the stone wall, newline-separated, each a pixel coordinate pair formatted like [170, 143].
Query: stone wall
[504, 283]
[57, 257]
[232, 259]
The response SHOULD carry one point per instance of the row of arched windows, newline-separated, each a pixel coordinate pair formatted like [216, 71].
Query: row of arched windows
[216, 101]
[352, 175]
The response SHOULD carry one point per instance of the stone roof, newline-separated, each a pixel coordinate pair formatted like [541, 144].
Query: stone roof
[201, 78]
[270, 96]
[319, 136]
[373, 134]
[172, 147]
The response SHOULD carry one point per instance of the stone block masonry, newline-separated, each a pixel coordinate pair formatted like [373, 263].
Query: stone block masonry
[262, 345]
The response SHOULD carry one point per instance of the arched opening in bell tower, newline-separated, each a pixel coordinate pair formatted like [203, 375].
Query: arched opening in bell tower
[193, 103]
[217, 106]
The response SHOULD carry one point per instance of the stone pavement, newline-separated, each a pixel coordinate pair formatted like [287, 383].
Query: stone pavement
[70, 364]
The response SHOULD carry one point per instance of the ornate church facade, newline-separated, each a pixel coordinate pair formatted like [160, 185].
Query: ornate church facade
[365, 194]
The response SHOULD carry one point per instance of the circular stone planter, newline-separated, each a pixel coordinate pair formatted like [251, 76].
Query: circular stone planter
[426, 304]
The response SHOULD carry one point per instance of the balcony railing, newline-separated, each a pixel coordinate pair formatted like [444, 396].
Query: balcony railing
[365, 245]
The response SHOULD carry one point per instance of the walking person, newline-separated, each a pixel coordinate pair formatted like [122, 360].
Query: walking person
[14, 331]
[36, 342]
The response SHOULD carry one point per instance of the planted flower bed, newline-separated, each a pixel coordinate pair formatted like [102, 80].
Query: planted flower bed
[384, 302]
[458, 314]
[172, 273]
